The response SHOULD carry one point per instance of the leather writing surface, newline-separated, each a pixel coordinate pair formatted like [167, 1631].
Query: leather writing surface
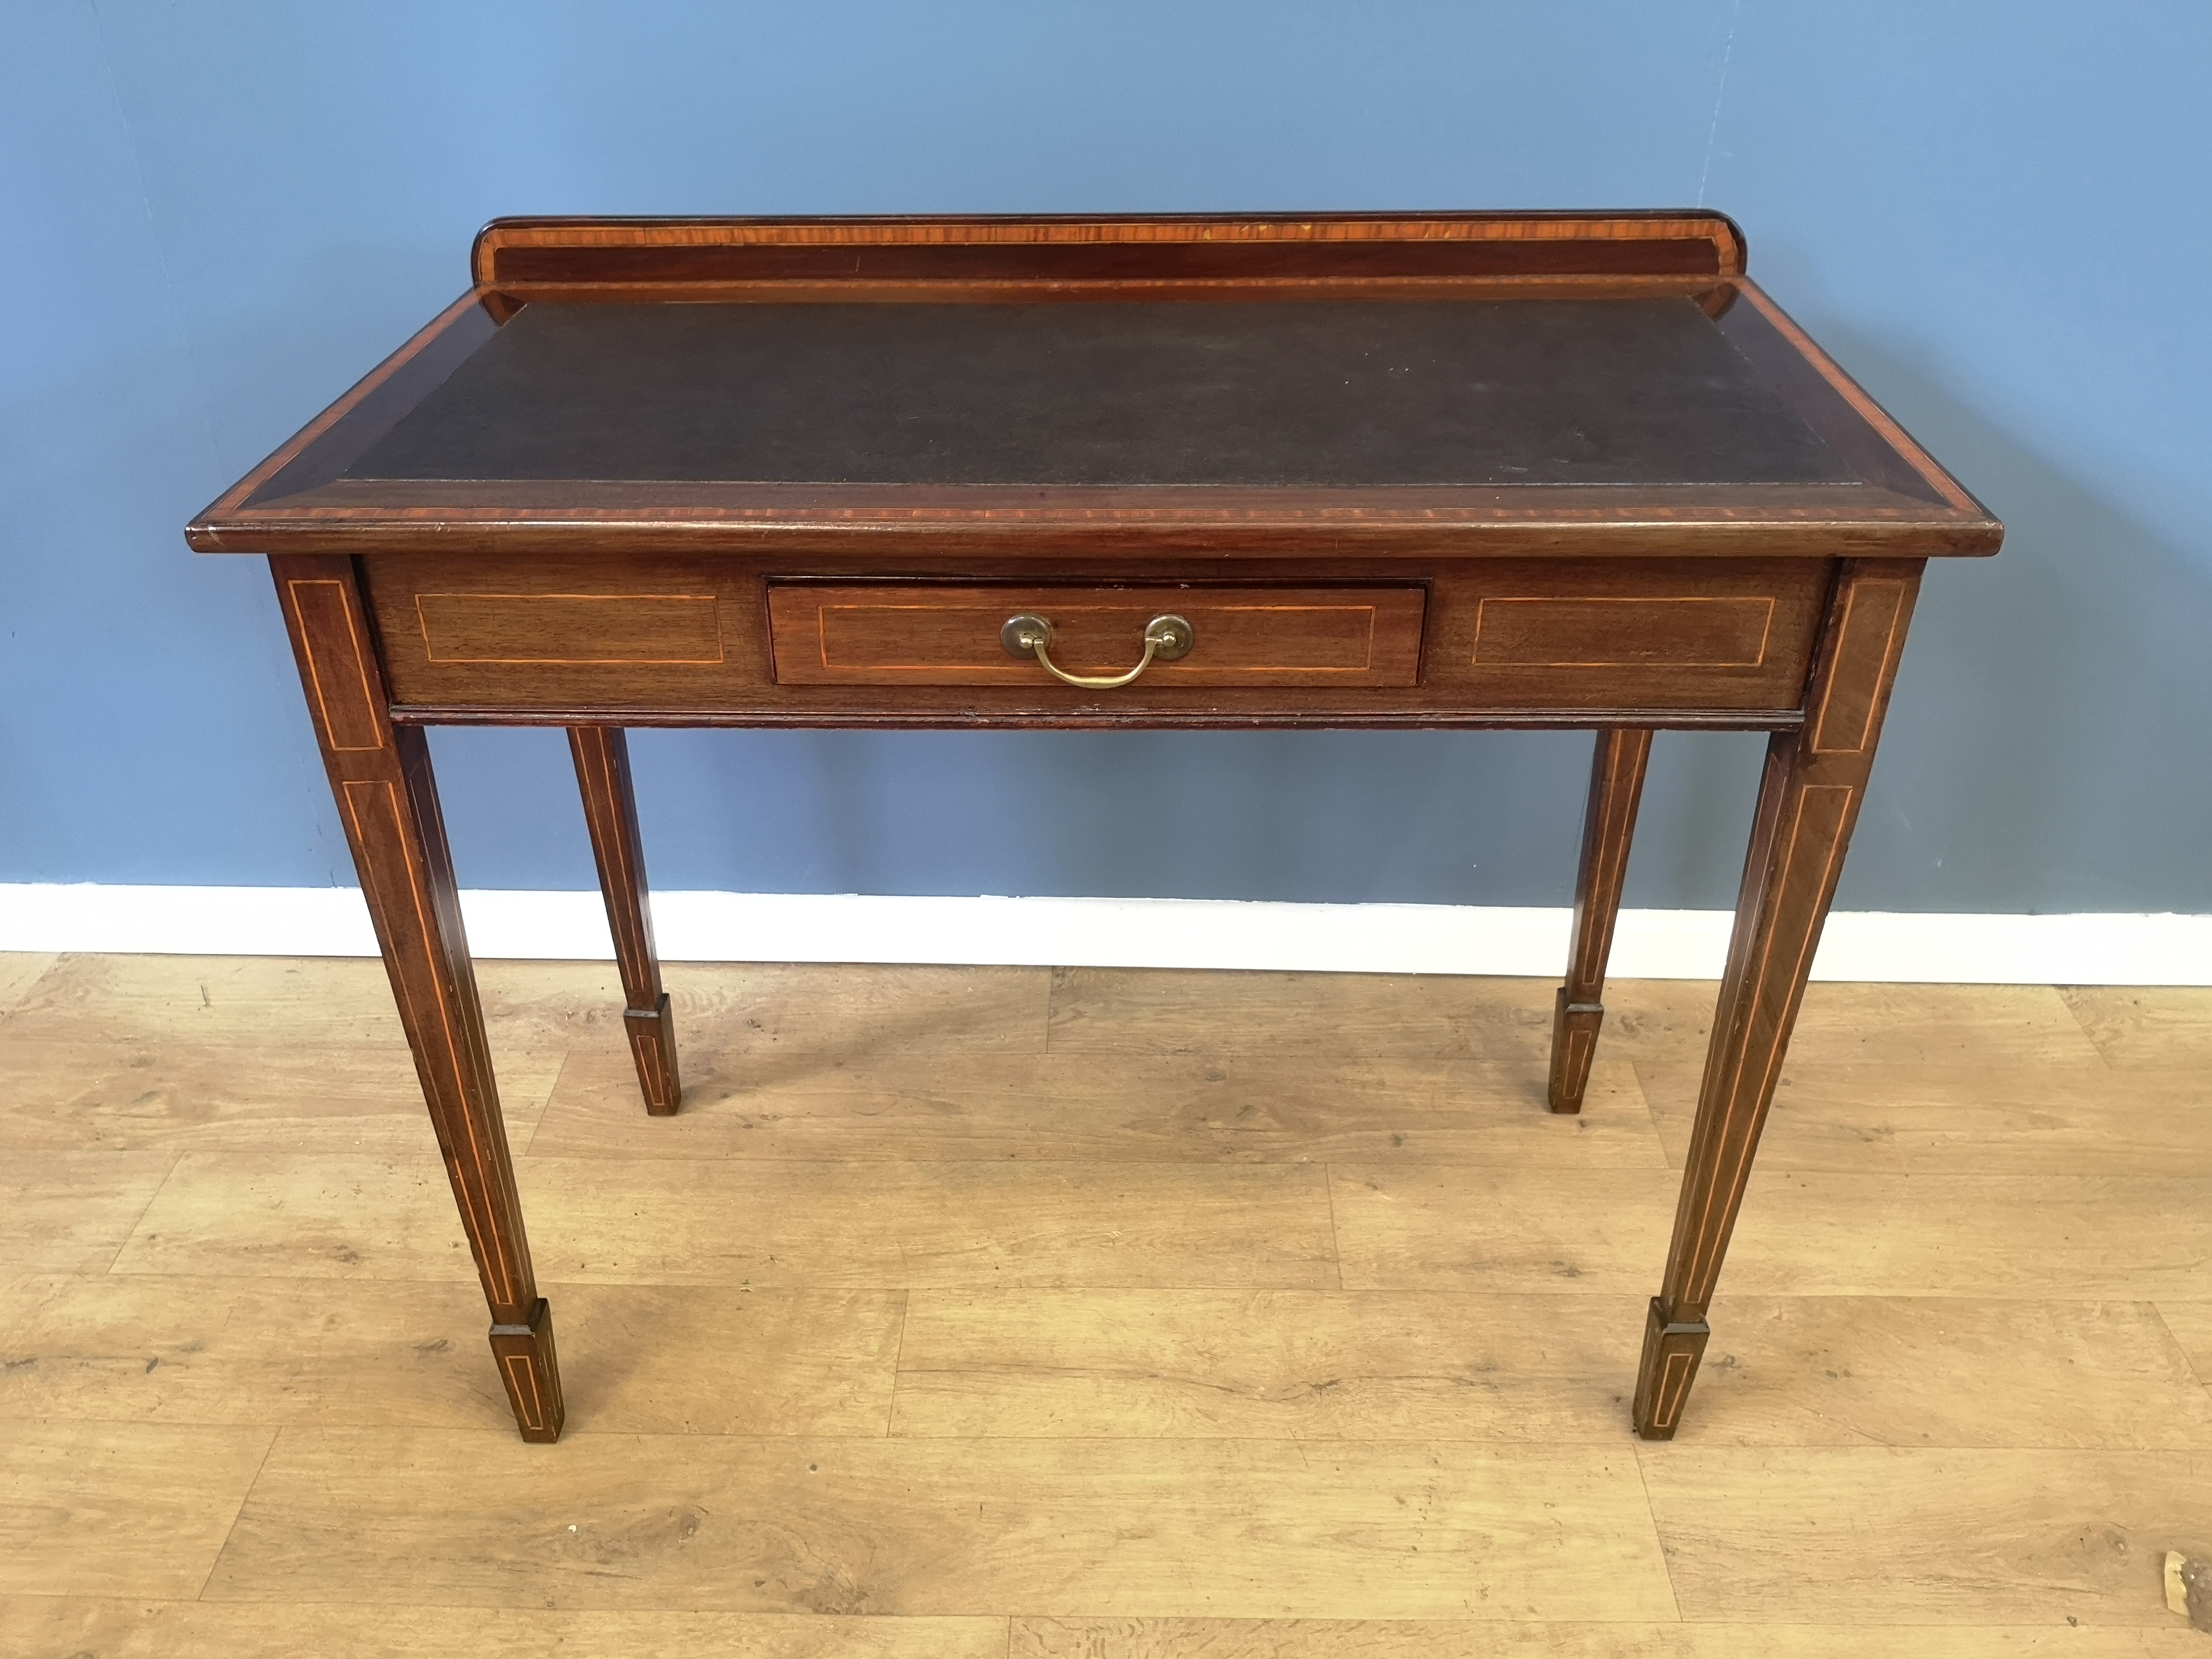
[1326, 394]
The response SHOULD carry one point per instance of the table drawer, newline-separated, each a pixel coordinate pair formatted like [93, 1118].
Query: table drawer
[933, 633]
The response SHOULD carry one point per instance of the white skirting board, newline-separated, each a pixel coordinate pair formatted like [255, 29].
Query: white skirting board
[1374, 938]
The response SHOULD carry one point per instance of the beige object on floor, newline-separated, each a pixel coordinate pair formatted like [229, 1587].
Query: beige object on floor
[2189, 1588]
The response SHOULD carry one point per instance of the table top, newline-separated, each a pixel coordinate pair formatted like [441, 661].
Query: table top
[1468, 381]
[1329, 394]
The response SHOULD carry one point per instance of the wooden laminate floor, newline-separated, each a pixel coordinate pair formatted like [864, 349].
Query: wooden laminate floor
[1090, 1314]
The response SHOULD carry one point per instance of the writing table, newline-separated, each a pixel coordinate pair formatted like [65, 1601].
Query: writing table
[1468, 469]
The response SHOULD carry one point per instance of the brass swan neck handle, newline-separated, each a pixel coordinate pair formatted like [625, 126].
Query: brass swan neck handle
[1166, 638]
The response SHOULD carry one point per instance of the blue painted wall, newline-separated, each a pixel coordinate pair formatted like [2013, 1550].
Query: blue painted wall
[218, 216]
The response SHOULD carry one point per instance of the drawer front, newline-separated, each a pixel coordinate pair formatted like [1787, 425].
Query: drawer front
[573, 633]
[579, 630]
[671, 637]
[1576, 633]
[1606, 631]
[927, 633]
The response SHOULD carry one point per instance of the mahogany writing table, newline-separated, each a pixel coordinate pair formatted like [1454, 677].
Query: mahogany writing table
[1475, 470]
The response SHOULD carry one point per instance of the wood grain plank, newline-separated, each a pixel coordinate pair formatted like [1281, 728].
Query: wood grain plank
[1269, 1365]
[328, 1216]
[2191, 1323]
[69, 1627]
[1224, 1107]
[72, 1212]
[2009, 1364]
[1843, 1024]
[1846, 1125]
[170, 1094]
[243, 1352]
[1809, 1232]
[321, 1001]
[2081, 1118]
[1124, 1011]
[325, 1001]
[1880, 1536]
[795, 1017]
[1520, 1232]
[147, 1052]
[130, 1348]
[2053, 1120]
[1944, 1371]
[1782, 1371]
[927, 1527]
[704, 1359]
[2154, 1027]
[102, 1509]
[849, 1225]
[1997, 1235]
[1458, 1638]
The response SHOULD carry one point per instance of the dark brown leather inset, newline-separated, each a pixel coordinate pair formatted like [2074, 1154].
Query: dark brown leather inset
[1317, 393]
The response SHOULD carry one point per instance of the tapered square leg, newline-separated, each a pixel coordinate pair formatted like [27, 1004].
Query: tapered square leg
[531, 1372]
[1671, 1352]
[602, 756]
[1808, 800]
[1608, 826]
[1574, 1046]
[652, 1045]
[388, 798]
